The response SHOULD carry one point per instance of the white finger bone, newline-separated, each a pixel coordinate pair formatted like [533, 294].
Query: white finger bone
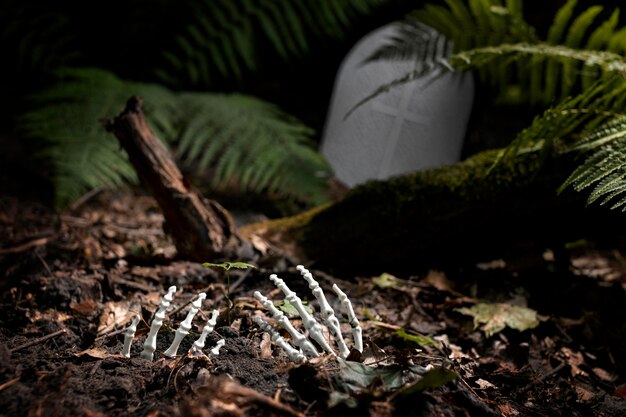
[328, 314]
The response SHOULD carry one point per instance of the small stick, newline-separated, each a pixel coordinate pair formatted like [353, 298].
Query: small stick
[45, 264]
[86, 197]
[240, 394]
[191, 300]
[38, 340]
[9, 383]
[111, 334]
[240, 280]
[24, 246]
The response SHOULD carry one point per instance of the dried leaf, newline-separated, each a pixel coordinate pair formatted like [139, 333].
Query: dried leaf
[583, 394]
[97, 353]
[266, 346]
[115, 313]
[484, 384]
[85, 308]
[604, 375]
[438, 280]
[574, 360]
[495, 317]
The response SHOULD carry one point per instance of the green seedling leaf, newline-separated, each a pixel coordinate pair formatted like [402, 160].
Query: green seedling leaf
[495, 317]
[386, 280]
[435, 378]
[354, 376]
[286, 307]
[229, 265]
[419, 339]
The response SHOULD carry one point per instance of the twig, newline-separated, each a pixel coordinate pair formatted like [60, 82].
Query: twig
[240, 280]
[8, 383]
[191, 300]
[542, 377]
[248, 395]
[86, 197]
[134, 231]
[111, 334]
[38, 340]
[25, 246]
[45, 264]
[133, 284]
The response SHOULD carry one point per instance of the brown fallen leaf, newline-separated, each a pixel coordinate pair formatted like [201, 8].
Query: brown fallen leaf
[604, 375]
[97, 353]
[438, 280]
[583, 394]
[85, 308]
[574, 360]
[266, 346]
[115, 314]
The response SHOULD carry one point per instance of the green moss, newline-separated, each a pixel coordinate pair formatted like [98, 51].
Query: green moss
[474, 179]
[436, 213]
[439, 215]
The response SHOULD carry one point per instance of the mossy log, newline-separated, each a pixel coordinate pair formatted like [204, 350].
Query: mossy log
[470, 211]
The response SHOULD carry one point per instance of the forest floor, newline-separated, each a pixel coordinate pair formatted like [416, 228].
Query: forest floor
[71, 282]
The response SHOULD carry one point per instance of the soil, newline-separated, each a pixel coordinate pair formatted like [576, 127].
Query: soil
[72, 281]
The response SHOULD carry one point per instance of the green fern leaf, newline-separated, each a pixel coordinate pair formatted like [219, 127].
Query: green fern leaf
[241, 138]
[561, 22]
[228, 33]
[490, 23]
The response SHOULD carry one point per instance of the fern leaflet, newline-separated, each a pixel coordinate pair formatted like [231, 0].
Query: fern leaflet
[242, 138]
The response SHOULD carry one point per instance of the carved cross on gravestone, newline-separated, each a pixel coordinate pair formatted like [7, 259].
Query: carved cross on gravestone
[413, 126]
[400, 115]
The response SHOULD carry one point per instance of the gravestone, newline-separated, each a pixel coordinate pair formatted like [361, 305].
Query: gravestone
[413, 126]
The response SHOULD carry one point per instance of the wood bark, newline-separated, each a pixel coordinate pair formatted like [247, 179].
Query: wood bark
[202, 229]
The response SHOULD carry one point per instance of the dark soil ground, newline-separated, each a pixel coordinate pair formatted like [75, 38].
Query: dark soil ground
[72, 281]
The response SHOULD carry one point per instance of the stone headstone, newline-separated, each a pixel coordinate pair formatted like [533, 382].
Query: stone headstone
[414, 126]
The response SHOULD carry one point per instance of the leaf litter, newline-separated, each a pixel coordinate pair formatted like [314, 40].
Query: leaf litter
[65, 305]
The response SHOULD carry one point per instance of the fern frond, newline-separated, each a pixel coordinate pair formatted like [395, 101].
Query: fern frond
[486, 24]
[605, 167]
[223, 40]
[426, 48]
[68, 117]
[599, 104]
[252, 141]
[34, 40]
[478, 57]
[504, 56]
[240, 137]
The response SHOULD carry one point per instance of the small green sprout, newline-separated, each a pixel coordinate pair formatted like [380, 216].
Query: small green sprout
[227, 267]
